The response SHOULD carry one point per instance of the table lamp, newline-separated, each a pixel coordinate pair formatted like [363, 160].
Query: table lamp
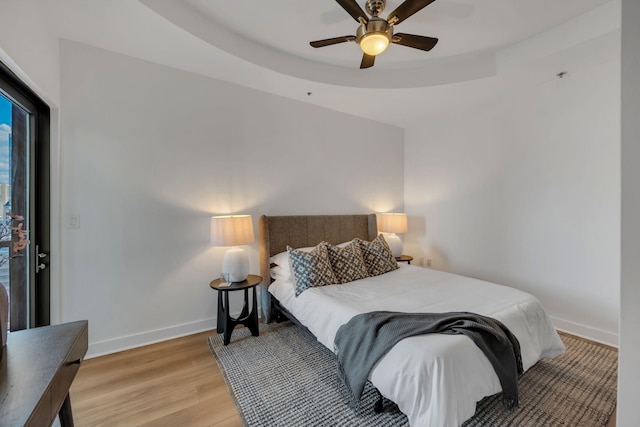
[393, 223]
[233, 230]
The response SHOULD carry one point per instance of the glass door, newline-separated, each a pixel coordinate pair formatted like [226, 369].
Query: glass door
[24, 207]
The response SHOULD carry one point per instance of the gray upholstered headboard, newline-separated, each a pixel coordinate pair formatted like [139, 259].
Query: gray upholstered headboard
[276, 232]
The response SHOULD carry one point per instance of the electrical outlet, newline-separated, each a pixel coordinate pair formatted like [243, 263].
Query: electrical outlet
[428, 263]
[421, 262]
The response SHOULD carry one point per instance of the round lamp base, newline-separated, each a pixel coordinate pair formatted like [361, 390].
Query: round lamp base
[394, 243]
[235, 264]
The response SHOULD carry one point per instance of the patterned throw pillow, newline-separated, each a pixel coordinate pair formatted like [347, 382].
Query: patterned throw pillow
[311, 269]
[377, 256]
[347, 262]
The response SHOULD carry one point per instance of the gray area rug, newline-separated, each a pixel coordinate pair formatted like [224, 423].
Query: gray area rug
[285, 377]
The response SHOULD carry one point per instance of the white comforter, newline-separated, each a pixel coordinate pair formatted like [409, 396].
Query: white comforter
[435, 379]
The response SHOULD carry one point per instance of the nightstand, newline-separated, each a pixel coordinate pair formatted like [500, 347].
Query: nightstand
[405, 258]
[248, 317]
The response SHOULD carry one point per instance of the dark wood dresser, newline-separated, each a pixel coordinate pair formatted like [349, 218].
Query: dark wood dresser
[37, 370]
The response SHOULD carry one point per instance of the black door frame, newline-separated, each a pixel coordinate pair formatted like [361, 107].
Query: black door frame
[40, 293]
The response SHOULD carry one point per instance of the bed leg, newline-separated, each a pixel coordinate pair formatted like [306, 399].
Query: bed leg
[378, 407]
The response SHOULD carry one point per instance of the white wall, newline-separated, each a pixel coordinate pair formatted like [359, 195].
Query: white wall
[629, 373]
[30, 48]
[149, 153]
[524, 191]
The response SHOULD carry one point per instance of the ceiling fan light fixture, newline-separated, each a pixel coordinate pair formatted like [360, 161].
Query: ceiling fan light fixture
[374, 43]
[374, 34]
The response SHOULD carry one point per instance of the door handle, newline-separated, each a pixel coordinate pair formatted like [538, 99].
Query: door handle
[41, 266]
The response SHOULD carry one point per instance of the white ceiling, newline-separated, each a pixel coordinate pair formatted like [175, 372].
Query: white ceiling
[463, 26]
[265, 45]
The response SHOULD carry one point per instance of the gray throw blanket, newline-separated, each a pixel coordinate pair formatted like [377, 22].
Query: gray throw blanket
[362, 341]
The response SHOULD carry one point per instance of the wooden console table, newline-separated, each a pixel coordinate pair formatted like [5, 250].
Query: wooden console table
[36, 372]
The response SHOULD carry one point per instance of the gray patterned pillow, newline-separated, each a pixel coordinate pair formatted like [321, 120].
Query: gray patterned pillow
[377, 256]
[311, 269]
[347, 262]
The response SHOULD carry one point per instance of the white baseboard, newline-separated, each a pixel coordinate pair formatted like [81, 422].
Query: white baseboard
[114, 345]
[588, 332]
[101, 348]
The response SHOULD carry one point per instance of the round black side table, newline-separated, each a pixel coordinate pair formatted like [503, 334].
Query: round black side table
[248, 317]
[405, 258]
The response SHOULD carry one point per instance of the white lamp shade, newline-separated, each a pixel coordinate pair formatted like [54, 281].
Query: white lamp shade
[393, 223]
[231, 230]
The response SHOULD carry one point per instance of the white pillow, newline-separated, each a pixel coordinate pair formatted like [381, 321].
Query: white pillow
[280, 273]
[282, 259]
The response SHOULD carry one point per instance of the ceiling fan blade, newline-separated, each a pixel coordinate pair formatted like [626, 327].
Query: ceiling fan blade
[417, 42]
[353, 9]
[335, 40]
[367, 61]
[406, 9]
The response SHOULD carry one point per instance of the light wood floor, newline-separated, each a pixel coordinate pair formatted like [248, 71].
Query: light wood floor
[173, 383]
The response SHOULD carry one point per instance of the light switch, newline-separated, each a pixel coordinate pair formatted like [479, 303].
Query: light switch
[74, 221]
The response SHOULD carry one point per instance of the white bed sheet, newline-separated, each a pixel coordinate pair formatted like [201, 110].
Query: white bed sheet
[435, 379]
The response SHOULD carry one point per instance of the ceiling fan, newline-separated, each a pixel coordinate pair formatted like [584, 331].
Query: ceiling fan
[374, 34]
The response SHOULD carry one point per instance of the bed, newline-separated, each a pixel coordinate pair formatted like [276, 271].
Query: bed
[435, 379]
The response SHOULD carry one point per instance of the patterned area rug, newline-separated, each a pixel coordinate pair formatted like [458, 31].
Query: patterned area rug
[285, 377]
